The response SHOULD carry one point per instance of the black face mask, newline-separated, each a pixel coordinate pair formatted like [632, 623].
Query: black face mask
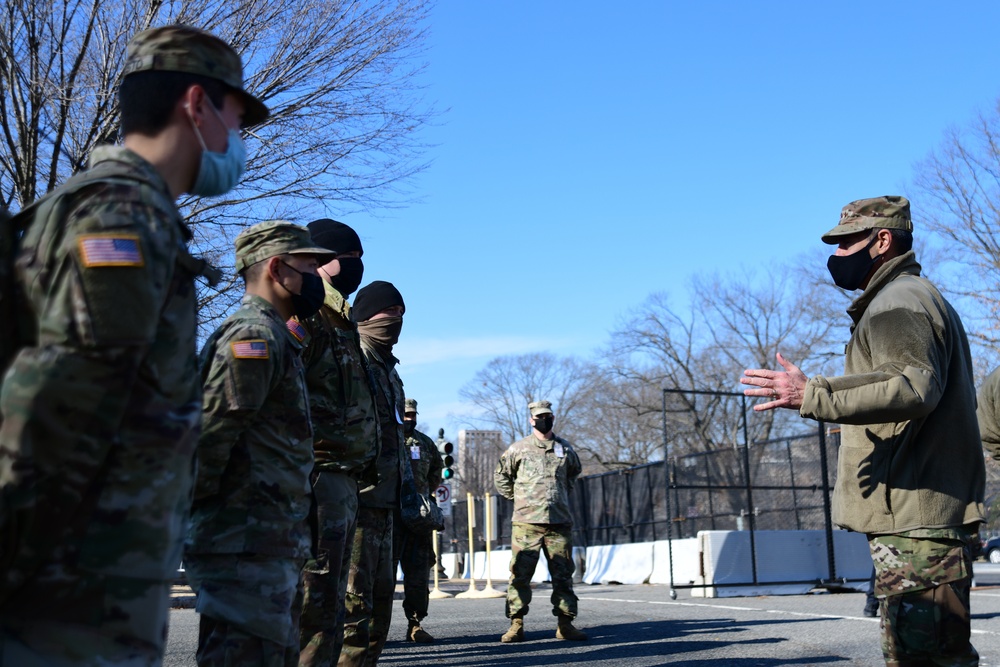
[409, 426]
[310, 299]
[849, 271]
[543, 424]
[352, 270]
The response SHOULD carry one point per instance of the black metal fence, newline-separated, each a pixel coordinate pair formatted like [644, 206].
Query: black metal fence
[778, 484]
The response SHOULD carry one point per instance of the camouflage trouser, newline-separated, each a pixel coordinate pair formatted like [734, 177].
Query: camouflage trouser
[250, 608]
[414, 553]
[370, 586]
[923, 589]
[71, 617]
[321, 630]
[525, 542]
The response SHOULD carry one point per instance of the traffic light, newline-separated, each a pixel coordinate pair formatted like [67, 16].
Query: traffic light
[446, 450]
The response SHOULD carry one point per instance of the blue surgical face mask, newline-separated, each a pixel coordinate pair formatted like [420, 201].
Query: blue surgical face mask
[219, 173]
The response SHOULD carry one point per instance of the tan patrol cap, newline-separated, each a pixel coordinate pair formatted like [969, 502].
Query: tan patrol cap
[888, 212]
[181, 48]
[540, 408]
[276, 237]
[410, 405]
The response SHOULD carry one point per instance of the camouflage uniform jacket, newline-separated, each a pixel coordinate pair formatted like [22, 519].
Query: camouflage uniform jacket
[389, 401]
[100, 412]
[910, 454]
[341, 393]
[252, 491]
[425, 459]
[538, 476]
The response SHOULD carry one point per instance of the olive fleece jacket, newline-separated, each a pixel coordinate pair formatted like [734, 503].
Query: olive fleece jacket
[989, 413]
[910, 454]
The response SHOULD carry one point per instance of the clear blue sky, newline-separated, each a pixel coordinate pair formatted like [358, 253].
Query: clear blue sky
[593, 153]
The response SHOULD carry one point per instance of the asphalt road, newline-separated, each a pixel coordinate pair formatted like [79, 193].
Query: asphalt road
[641, 626]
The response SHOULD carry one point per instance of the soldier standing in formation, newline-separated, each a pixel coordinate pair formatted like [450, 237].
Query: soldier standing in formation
[346, 442]
[537, 473]
[249, 534]
[379, 310]
[910, 472]
[101, 398]
[414, 551]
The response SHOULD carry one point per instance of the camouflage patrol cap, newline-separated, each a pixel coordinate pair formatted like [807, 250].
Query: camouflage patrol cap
[540, 408]
[888, 212]
[181, 48]
[275, 237]
[410, 405]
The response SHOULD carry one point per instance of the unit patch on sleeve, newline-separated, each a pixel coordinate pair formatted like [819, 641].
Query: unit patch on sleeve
[104, 250]
[250, 349]
[296, 330]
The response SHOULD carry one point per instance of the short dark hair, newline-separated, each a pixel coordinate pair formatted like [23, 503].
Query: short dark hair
[902, 239]
[252, 273]
[146, 99]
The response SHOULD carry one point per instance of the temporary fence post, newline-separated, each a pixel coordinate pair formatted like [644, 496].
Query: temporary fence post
[489, 591]
[437, 593]
[472, 592]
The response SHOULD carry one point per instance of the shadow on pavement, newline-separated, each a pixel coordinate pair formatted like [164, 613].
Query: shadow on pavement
[627, 641]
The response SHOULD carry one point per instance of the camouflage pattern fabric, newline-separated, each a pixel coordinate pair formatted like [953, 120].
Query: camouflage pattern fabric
[538, 476]
[414, 553]
[100, 416]
[321, 631]
[389, 401]
[254, 594]
[249, 534]
[252, 493]
[923, 579]
[425, 461]
[526, 541]
[179, 48]
[341, 395]
[370, 585]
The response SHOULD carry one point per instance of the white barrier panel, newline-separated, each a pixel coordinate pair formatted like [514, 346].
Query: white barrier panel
[687, 561]
[619, 563]
[782, 555]
[450, 563]
[499, 565]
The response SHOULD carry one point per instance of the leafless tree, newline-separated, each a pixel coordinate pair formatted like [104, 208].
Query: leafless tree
[731, 323]
[959, 189]
[503, 389]
[341, 79]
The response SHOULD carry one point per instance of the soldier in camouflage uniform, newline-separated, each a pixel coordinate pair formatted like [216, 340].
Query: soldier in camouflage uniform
[249, 534]
[537, 473]
[379, 310]
[412, 550]
[101, 403]
[910, 468]
[345, 441]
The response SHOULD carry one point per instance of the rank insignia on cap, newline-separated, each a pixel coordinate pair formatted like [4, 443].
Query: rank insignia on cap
[250, 349]
[296, 330]
[103, 250]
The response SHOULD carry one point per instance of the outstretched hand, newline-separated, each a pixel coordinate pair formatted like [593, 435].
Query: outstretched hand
[784, 388]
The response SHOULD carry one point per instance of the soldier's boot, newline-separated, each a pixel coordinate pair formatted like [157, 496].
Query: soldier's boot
[515, 633]
[565, 630]
[415, 633]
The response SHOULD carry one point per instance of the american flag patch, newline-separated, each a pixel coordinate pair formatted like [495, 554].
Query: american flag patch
[250, 349]
[296, 330]
[110, 250]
